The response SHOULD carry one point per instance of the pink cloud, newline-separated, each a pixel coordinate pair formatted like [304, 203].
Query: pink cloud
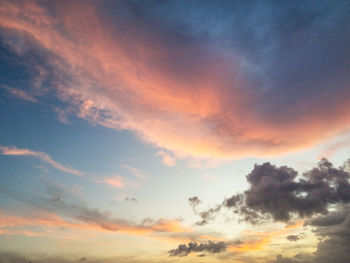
[21, 94]
[128, 80]
[9, 224]
[116, 181]
[167, 158]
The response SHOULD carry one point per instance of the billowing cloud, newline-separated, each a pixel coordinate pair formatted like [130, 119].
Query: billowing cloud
[320, 197]
[278, 193]
[211, 247]
[333, 231]
[14, 151]
[256, 87]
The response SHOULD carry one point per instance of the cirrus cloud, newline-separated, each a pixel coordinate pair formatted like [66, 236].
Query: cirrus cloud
[186, 93]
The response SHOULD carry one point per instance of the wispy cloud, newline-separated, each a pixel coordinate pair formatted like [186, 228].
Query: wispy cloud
[66, 211]
[135, 172]
[14, 151]
[115, 181]
[20, 94]
[222, 106]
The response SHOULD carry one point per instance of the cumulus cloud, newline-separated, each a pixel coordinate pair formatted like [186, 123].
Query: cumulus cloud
[193, 95]
[14, 151]
[279, 193]
[333, 230]
[320, 197]
[210, 247]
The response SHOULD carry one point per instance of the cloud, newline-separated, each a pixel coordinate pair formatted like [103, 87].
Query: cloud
[194, 201]
[320, 197]
[116, 181]
[333, 230]
[135, 172]
[279, 193]
[14, 151]
[62, 212]
[19, 258]
[21, 94]
[293, 237]
[130, 199]
[180, 91]
[211, 247]
[167, 158]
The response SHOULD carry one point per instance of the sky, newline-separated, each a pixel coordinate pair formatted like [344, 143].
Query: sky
[174, 131]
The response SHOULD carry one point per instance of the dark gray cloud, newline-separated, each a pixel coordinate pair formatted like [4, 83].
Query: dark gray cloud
[278, 193]
[194, 201]
[211, 247]
[320, 195]
[130, 199]
[206, 215]
[333, 230]
[293, 237]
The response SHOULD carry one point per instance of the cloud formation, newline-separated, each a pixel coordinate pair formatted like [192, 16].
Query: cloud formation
[60, 211]
[320, 197]
[333, 230]
[211, 247]
[14, 151]
[21, 94]
[278, 193]
[265, 88]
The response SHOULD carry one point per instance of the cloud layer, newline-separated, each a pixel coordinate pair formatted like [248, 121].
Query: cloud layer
[245, 85]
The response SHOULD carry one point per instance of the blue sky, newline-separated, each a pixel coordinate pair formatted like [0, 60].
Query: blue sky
[173, 131]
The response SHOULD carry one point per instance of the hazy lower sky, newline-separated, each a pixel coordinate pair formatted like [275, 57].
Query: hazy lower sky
[174, 131]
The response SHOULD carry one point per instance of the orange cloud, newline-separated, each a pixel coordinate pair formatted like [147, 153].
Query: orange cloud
[167, 158]
[182, 98]
[259, 240]
[9, 223]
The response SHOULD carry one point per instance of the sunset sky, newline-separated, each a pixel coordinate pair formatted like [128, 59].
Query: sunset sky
[174, 131]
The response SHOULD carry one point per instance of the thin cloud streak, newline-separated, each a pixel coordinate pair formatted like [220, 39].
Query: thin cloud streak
[14, 151]
[21, 94]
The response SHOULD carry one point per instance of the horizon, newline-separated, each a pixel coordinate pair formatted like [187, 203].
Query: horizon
[174, 131]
